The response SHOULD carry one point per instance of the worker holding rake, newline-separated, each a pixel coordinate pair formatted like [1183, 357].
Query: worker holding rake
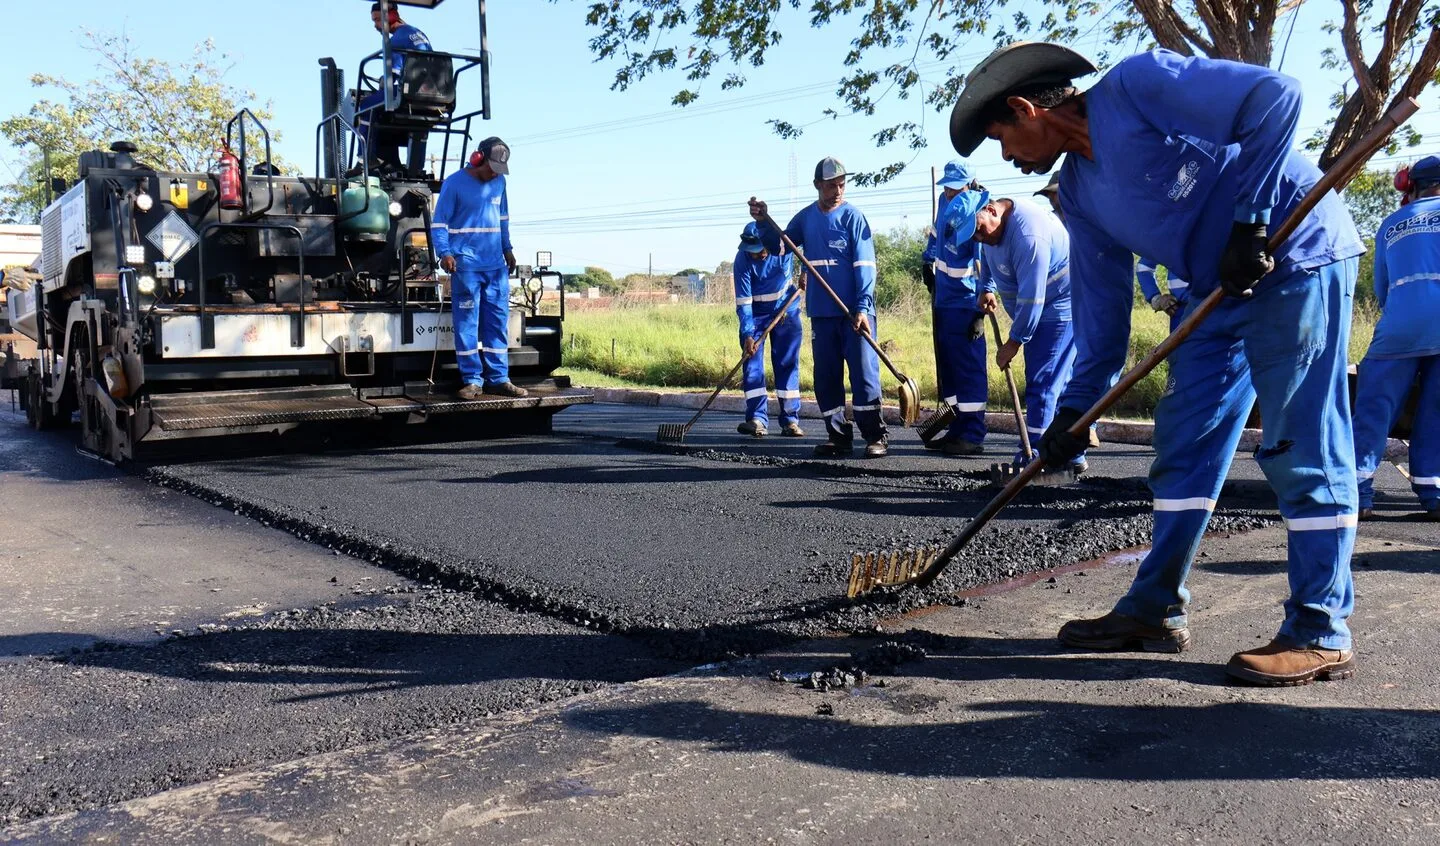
[836, 239]
[762, 285]
[1187, 161]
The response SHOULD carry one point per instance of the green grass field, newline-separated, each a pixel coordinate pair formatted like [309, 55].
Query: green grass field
[695, 345]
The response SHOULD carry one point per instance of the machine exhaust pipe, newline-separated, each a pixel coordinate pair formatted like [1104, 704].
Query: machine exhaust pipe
[333, 140]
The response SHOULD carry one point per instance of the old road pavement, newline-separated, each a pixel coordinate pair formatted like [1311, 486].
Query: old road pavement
[585, 637]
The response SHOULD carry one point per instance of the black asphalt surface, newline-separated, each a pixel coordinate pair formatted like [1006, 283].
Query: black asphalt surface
[500, 574]
[721, 543]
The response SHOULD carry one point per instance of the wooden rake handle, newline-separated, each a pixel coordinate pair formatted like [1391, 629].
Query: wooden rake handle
[1014, 394]
[744, 357]
[790, 245]
[1339, 174]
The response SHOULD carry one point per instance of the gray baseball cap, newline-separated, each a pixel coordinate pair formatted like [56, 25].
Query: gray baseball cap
[1021, 63]
[829, 168]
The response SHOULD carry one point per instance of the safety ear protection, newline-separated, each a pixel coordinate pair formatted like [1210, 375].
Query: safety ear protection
[1402, 180]
[477, 158]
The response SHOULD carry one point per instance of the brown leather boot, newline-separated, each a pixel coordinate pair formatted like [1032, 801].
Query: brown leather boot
[471, 391]
[1118, 632]
[1280, 665]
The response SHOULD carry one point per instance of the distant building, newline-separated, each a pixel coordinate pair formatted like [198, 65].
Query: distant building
[19, 244]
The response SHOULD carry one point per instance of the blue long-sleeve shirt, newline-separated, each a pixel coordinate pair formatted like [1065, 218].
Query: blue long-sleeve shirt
[406, 37]
[932, 239]
[1029, 269]
[1182, 148]
[1150, 286]
[957, 280]
[761, 287]
[1407, 282]
[840, 246]
[472, 222]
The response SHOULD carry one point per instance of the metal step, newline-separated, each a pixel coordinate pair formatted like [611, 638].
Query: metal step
[268, 407]
[445, 402]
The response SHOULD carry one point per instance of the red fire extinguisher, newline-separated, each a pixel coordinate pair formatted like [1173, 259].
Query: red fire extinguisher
[228, 176]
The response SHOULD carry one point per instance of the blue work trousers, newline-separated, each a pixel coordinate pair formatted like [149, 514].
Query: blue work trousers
[1049, 363]
[960, 368]
[480, 302]
[1382, 386]
[1287, 346]
[835, 347]
[784, 343]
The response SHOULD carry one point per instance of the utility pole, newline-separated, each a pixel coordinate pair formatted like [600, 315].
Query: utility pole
[651, 271]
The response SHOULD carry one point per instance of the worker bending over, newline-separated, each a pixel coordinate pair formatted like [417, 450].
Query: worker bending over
[471, 234]
[1406, 344]
[837, 241]
[1025, 257]
[1188, 161]
[959, 326]
[762, 284]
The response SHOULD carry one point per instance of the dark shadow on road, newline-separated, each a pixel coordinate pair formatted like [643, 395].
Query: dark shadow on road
[1232, 741]
[1399, 561]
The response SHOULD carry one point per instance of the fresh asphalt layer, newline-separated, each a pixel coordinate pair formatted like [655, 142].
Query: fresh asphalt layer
[490, 598]
[725, 535]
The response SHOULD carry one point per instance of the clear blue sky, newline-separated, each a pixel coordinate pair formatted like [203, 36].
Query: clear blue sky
[598, 177]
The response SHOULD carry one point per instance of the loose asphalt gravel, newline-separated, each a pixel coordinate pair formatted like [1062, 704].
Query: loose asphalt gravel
[534, 569]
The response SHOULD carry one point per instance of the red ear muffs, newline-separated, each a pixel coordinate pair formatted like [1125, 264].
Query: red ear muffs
[1402, 180]
[477, 158]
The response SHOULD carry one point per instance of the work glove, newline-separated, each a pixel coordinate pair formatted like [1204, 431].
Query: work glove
[1164, 302]
[977, 327]
[1057, 446]
[1246, 259]
[927, 275]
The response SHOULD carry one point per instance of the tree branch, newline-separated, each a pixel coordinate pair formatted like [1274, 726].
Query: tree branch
[1355, 53]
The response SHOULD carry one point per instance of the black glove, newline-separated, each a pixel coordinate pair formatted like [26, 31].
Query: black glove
[1246, 259]
[1057, 446]
[927, 275]
[977, 327]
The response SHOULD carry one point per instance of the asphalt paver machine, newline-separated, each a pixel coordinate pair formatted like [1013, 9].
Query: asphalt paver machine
[245, 300]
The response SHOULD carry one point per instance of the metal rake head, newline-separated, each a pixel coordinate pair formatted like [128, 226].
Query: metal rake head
[909, 401]
[1001, 474]
[937, 424]
[671, 433]
[873, 570]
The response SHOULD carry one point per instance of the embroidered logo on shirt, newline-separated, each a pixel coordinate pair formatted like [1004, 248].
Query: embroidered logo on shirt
[494, 201]
[1422, 223]
[839, 244]
[1184, 181]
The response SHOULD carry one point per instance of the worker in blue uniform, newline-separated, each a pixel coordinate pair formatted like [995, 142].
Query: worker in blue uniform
[1406, 344]
[959, 321]
[471, 234]
[762, 285]
[1171, 302]
[1025, 258]
[836, 239]
[403, 36]
[1187, 161]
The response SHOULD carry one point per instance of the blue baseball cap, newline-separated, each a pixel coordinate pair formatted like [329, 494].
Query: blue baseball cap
[750, 239]
[958, 174]
[959, 218]
[1426, 170]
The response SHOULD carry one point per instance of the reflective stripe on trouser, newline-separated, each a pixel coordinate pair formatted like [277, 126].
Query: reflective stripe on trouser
[1287, 345]
[784, 344]
[1381, 388]
[960, 368]
[1049, 363]
[836, 347]
[480, 301]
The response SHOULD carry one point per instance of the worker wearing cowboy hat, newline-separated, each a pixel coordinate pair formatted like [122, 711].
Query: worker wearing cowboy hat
[958, 313]
[1406, 344]
[1188, 160]
[762, 284]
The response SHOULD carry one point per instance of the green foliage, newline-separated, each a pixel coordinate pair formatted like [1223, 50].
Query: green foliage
[897, 267]
[898, 47]
[595, 277]
[175, 112]
[1371, 197]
